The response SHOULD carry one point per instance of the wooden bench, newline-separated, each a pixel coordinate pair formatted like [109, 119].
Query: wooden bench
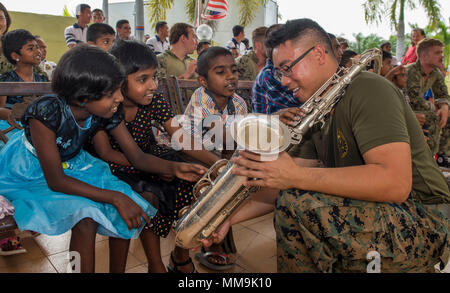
[184, 88]
[168, 88]
[26, 89]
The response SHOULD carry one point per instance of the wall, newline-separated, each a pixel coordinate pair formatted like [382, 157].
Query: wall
[49, 27]
[265, 16]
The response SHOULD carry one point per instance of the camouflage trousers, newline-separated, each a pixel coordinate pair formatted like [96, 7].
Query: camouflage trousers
[324, 233]
[434, 131]
[444, 145]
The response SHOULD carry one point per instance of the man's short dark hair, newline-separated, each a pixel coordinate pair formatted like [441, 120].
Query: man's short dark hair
[81, 8]
[121, 22]
[384, 45]
[346, 56]
[160, 25]
[201, 44]
[14, 41]
[178, 30]
[421, 31]
[98, 30]
[426, 44]
[205, 59]
[271, 29]
[298, 29]
[237, 29]
[98, 10]
[259, 35]
[86, 72]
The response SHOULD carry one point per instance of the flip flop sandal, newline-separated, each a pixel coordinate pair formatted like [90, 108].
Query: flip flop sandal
[203, 259]
[11, 246]
[176, 265]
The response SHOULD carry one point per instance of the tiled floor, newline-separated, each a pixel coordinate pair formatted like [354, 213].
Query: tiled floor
[255, 242]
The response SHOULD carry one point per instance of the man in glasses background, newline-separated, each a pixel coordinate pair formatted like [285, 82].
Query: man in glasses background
[371, 199]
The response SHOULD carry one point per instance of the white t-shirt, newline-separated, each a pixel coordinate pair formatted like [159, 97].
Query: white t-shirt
[234, 44]
[48, 67]
[74, 34]
[157, 46]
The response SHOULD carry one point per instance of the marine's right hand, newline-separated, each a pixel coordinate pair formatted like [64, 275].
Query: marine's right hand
[218, 236]
[130, 212]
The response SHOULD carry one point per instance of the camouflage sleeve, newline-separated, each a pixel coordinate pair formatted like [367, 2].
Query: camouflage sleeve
[415, 92]
[242, 67]
[162, 67]
[38, 69]
[440, 91]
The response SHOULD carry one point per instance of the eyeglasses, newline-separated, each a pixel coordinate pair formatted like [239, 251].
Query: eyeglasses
[286, 70]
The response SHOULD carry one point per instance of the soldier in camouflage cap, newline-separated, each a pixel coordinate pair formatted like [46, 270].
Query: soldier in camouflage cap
[423, 75]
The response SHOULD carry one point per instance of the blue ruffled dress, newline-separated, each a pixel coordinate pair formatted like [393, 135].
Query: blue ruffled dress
[5, 125]
[37, 207]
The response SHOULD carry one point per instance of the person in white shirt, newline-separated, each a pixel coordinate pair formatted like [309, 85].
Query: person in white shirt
[98, 16]
[236, 41]
[46, 66]
[76, 33]
[123, 30]
[159, 43]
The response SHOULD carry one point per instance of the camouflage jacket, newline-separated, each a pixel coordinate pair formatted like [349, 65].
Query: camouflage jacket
[248, 66]
[417, 86]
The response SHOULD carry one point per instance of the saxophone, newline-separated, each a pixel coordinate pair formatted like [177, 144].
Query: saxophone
[219, 192]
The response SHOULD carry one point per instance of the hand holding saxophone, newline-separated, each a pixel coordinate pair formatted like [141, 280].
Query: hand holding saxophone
[218, 236]
[290, 115]
[276, 174]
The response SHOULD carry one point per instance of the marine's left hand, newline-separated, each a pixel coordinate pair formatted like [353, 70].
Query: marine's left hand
[278, 174]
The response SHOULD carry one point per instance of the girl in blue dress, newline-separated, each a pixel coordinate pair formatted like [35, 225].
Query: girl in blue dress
[55, 186]
[21, 50]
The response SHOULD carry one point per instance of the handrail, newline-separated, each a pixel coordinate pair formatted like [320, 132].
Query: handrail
[25, 88]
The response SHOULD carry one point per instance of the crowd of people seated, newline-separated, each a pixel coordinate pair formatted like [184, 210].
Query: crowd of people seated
[96, 166]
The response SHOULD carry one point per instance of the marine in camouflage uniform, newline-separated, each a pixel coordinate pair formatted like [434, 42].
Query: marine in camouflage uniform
[416, 88]
[318, 232]
[247, 70]
[444, 145]
[326, 233]
[248, 66]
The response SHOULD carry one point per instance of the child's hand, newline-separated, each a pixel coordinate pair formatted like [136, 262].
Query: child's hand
[130, 212]
[191, 68]
[189, 172]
